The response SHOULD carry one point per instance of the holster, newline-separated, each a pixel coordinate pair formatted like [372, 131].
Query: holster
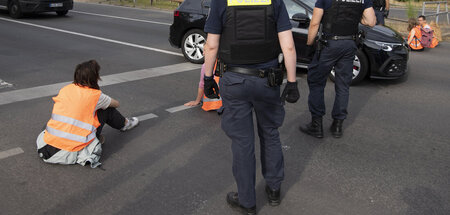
[275, 77]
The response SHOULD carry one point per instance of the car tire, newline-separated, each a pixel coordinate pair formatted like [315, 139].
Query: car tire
[62, 13]
[360, 68]
[14, 9]
[192, 45]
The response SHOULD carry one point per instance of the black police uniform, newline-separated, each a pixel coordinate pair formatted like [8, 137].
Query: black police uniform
[248, 42]
[340, 26]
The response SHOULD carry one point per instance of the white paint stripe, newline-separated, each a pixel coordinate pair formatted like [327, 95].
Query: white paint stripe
[4, 84]
[146, 117]
[119, 17]
[11, 152]
[125, 7]
[179, 108]
[94, 37]
[52, 89]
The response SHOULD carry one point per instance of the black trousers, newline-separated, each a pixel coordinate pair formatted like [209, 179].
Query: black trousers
[110, 116]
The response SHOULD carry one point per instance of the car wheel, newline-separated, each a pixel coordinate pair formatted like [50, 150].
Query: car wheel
[14, 9]
[192, 45]
[62, 13]
[360, 68]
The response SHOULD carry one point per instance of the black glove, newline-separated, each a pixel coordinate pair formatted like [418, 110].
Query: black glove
[386, 13]
[309, 51]
[290, 93]
[210, 87]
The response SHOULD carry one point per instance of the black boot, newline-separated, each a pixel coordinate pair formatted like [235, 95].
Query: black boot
[273, 196]
[314, 128]
[233, 201]
[336, 128]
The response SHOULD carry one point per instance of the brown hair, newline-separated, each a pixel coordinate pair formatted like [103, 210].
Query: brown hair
[412, 23]
[87, 74]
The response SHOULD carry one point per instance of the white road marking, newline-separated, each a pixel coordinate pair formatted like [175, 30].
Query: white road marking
[4, 84]
[52, 89]
[119, 17]
[179, 108]
[146, 117]
[94, 37]
[10, 152]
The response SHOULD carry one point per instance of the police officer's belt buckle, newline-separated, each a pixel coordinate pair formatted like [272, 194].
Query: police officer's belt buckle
[262, 73]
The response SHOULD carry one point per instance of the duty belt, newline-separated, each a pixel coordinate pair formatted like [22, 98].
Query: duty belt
[262, 73]
[352, 37]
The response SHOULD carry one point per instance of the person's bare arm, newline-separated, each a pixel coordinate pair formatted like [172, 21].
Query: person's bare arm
[114, 103]
[211, 49]
[290, 56]
[197, 100]
[387, 5]
[413, 32]
[314, 25]
[368, 18]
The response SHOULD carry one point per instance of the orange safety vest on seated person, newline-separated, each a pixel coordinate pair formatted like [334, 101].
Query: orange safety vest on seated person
[212, 104]
[74, 120]
[415, 43]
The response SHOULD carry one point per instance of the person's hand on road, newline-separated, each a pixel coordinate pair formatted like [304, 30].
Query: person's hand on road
[192, 103]
[386, 13]
[290, 93]
[309, 51]
[211, 88]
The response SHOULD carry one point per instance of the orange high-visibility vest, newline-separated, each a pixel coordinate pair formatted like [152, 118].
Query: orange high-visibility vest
[74, 120]
[212, 104]
[415, 43]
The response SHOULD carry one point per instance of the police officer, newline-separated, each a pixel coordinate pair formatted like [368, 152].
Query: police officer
[381, 8]
[248, 37]
[339, 20]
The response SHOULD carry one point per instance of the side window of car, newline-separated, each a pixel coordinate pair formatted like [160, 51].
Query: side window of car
[292, 8]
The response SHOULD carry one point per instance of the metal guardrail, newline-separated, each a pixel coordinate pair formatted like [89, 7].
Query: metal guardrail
[438, 12]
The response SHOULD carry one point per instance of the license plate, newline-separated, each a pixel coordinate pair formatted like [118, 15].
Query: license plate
[56, 4]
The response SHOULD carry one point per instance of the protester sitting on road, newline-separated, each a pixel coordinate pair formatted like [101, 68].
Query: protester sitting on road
[414, 36]
[427, 30]
[208, 103]
[73, 134]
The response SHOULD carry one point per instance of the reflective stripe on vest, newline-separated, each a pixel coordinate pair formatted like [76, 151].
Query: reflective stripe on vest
[69, 136]
[74, 121]
[212, 104]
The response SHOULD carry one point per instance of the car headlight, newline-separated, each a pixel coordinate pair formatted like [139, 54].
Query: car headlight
[385, 46]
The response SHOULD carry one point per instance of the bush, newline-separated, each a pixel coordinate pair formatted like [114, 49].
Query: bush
[411, 10]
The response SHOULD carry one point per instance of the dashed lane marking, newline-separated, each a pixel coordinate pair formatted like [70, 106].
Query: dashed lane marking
[146, 117]
[10, 152]
[119, 17]
[94, 37]
[52, 89]
[4, 84]
[179, 108]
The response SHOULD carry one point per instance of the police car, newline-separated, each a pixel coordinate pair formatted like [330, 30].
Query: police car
[383, 53]
[17, 8]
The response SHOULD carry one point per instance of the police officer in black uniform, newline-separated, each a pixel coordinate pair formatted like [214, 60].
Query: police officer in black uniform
[381, 8]
[336, 48]
[248, 37]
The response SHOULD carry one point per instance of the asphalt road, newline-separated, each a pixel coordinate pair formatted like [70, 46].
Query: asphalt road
[394, 157]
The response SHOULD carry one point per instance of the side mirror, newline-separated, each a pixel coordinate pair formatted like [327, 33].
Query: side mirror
[301, 18]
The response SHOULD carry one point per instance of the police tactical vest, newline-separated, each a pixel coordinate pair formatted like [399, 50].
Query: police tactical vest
[379, 3]
[249, 35]
[343, 17]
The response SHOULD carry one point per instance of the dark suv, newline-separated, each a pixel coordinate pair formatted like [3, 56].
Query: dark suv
[17, 8]
[383, 54]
